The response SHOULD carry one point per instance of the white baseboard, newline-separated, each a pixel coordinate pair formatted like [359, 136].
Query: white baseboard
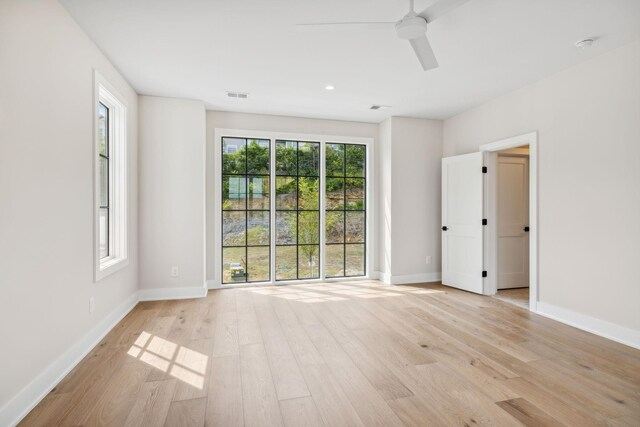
[612, 331]
[413, 278]
[382, 276]
[18, 407]
[158, 294]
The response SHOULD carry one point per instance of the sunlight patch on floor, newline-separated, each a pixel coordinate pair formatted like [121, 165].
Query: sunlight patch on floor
[315, 293]
[180, 362]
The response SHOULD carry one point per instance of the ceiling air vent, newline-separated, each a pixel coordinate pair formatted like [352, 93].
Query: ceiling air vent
[237, 95]
[379, 107]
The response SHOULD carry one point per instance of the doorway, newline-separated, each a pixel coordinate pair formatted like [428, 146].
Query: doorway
[512, 225]
[490, 244]
[510, 198]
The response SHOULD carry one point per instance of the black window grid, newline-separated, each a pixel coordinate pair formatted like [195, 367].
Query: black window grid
[246, 210]
[106, 207]
[297, 210]
[344, 212]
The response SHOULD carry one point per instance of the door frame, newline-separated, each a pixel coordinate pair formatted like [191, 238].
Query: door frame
[490, 209]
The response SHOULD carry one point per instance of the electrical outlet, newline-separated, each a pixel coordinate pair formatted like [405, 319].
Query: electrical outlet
[428, 259]
[92, 304]
[175, 272]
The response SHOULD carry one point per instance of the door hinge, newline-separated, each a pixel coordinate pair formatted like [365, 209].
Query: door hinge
[484, 169]
[484, 273]
[484, 221]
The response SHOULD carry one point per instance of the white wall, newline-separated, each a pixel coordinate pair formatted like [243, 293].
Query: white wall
[172, 194]
[588, 119]
[261, 122]
[46, 191]
[415, 180]
[385, 201]
[409, 168]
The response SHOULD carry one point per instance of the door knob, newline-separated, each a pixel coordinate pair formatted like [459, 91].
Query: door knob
[526, 229]
[444, 228]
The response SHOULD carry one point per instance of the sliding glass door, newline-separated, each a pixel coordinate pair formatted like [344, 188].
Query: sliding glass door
[246, 210]
[292, 210]
[297, 210]
[345, 217]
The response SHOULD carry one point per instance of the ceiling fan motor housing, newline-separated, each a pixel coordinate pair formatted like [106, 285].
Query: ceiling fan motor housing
[411, 27]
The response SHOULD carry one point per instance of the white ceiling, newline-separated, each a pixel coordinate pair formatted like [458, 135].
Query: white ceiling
[202, 48]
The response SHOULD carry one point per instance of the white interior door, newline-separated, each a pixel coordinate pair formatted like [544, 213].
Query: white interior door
[513, 222]
[462, 234]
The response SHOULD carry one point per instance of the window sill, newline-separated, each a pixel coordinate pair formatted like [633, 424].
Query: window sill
[109, 266]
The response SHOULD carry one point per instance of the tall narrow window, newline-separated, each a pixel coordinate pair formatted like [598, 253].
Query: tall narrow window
[103, 160]
[245, 210]
[297, 210]
[110, 180]
[345, 216]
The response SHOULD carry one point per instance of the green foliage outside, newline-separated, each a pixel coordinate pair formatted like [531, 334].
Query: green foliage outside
[294, 191]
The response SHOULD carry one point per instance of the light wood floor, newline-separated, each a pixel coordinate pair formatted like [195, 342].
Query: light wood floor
[517, 296]
[358, 354]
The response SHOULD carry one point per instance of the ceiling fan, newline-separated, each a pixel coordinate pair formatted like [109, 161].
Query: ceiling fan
[412, 27]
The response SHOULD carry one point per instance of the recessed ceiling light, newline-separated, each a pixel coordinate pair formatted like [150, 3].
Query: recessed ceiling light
[584, 44]
[329, 87]
[379, 107]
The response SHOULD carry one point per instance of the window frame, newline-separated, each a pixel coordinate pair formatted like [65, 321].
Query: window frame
[246, 176]
[344, 211]
[107, 95]
[370, 202]
[297, 211]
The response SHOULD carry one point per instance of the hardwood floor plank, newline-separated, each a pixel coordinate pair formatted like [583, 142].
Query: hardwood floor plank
[248, 327]
[187, 413]
[258, 391]
[119, 397]
[152, 405]
[288, 380]
[192, 366]
[568, 414]
[301, 411]
[527, 413]
[225, 341]
[224, 401]
[332, 402]
[383, 380]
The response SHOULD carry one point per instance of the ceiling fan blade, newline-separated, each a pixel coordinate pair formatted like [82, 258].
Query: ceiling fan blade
[347, 26]
[439, 8]
[423, 51]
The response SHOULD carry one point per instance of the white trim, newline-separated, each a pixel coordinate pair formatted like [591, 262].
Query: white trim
[490, 283]
[18, 407]
[159, 294]
[412, 278]
[370, 208]
[118, 182]
[612, 331]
